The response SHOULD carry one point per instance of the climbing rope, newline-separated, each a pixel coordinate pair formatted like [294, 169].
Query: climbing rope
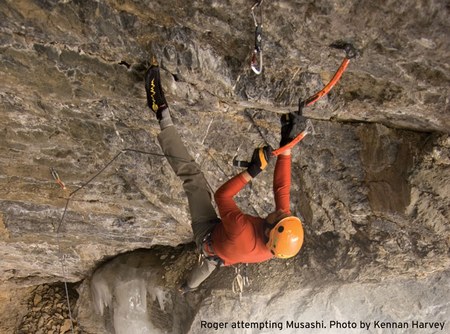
[70, 196]
[66, 288]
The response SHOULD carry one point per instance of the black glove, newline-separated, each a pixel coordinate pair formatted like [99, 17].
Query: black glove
[288, 123]
[260, 159]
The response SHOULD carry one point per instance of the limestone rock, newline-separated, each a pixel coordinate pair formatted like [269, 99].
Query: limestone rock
[372, 185]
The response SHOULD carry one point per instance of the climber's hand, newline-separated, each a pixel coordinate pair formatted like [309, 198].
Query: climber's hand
[260, 159]
[290, 123]
[287, 123]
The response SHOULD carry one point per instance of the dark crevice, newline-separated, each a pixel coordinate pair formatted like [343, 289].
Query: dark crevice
[176, 77]
[124, 63]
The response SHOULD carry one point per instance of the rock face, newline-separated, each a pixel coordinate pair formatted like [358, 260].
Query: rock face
[48, 311]
[372, 184]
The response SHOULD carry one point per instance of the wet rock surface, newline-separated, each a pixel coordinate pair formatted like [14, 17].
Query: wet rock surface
[372, 184]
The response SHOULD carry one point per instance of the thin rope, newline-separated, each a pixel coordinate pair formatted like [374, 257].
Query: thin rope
[61, 221]
[66, 288]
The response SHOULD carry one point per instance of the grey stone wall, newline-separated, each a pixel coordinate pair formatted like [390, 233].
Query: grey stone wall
[372, 185]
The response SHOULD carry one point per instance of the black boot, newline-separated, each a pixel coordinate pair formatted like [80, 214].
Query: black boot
[156, 100]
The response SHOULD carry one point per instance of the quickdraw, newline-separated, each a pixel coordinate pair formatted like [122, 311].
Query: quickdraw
[257, 57]
[240, 281]
[350, 52]
[57, 178]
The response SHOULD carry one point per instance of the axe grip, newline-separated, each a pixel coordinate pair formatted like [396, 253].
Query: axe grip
[241, 163]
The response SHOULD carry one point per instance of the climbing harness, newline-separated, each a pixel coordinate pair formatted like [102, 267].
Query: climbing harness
[240, 281]
[206, 251]
[57, 178]
[257, 57]
[350, 52]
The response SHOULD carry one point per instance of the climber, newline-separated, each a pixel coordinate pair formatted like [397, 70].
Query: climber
[237, 237]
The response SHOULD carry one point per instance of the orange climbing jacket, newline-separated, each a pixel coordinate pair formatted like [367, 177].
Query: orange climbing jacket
[239, 238]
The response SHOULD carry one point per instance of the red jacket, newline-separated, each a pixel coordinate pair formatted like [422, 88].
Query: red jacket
[239, 238]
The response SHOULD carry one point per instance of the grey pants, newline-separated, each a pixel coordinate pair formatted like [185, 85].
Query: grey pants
[203, 215]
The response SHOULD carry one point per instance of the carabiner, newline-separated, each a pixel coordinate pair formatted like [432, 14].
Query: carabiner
[255, 65]
[257, 58]
[257, 4]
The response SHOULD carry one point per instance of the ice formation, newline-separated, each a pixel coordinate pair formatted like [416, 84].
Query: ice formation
[127, 294]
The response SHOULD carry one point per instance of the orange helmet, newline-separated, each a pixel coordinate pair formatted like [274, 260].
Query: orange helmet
[286, 238]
